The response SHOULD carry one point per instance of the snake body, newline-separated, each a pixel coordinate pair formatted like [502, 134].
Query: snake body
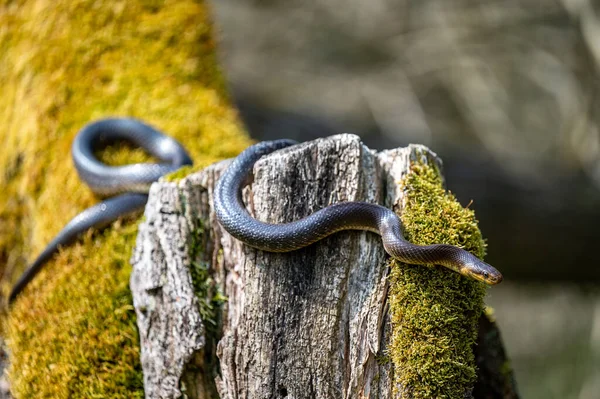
[129, 184]
[236, 220]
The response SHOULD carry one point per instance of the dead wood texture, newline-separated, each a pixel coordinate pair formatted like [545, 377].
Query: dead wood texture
[311, 323]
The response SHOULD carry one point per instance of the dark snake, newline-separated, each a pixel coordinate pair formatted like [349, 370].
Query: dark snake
[234, 217]
[129, 184]
[132, 183]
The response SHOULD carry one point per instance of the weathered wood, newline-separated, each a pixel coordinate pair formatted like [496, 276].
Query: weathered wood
[312, 323]
[309, 322]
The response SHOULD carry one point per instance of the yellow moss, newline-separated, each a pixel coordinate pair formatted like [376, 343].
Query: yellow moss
[434, 310]
[185, 171]
[490, 313]
[63, 64]
[68, 344]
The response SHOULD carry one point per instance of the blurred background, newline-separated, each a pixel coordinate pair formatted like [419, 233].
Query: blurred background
[505, 91]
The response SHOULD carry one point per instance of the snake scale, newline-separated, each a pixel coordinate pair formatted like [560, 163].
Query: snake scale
[130, 184]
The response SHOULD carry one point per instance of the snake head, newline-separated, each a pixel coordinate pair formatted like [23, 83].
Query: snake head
[483, 272]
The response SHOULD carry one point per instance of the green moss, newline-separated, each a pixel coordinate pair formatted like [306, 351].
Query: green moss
[434, 310]
[204, 366]
[178, 174]
[506, 370]
[383, 359]
[63, 64]
[490, 313]
[65, 344]
[210, 298]
[185, 171]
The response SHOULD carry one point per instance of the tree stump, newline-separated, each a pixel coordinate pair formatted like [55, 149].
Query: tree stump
[311, 323]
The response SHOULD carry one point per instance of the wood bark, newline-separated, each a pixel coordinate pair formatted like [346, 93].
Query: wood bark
[311, 323]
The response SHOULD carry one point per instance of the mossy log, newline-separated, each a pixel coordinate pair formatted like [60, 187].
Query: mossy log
[63, 64]
[220, 319]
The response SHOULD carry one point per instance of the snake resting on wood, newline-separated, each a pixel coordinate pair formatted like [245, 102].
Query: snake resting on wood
[132, 183]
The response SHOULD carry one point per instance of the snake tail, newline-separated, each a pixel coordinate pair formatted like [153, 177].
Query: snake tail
[132, 182]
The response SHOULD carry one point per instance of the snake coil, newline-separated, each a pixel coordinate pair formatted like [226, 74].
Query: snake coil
[130, 183]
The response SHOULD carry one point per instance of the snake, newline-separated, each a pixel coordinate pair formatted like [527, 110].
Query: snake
[284, 237]
[125, 188]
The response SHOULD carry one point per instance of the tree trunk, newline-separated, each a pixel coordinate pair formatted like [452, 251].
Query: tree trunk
[311, 323]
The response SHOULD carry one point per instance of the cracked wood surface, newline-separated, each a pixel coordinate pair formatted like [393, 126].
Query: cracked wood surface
[311, 323]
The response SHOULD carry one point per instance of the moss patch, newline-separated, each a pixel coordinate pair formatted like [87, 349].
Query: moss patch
[185, 171]
[201, 372]
[65, 344]
[210, 298]
[434, 310]
[63, 64]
